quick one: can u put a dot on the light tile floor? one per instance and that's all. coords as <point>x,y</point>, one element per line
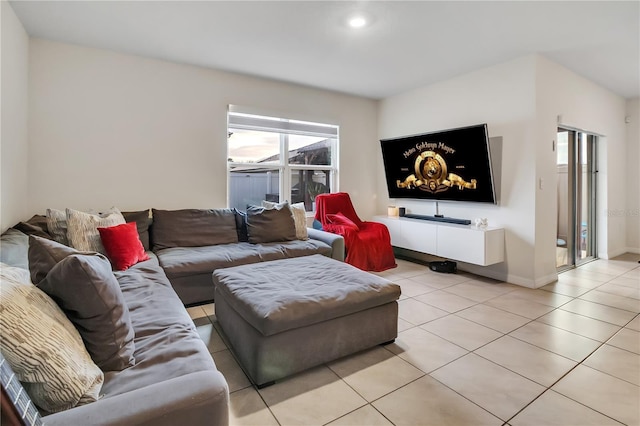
<point>471,351</point>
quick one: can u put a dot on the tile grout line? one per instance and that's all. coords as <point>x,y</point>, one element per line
<point>434,378</point>
<point>573,298</point>
<point>461,395</point>
<point>567,373</point>
<point>529,322</point>
<point>251,384</point>
<point>578,363</point>
<point>380,397</point>
<point>429,373</point>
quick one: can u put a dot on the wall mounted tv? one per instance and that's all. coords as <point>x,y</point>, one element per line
<point>452,165</point>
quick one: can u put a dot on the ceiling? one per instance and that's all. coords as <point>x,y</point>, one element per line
<point>407,44</point>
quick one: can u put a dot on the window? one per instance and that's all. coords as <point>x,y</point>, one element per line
<point>278,159</point>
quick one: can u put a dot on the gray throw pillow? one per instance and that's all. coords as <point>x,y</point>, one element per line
<point>241,225</point>
<point>37,225</point>
<point>143,222</point>
<point>270,225</point>
<point>43,255</point>
<point>299,217</point>
<point>193,228</point>
<point>85,288</point>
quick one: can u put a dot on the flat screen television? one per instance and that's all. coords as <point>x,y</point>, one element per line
<point>452,165</point>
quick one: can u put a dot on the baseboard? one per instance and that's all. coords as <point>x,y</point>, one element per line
<point>547,279</point>
<point>616,253</point>
<point>521,281</point>
<point>473,269</point>
<point>500,276</point>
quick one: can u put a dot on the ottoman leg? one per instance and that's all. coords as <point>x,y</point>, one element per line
<point>388,343</point>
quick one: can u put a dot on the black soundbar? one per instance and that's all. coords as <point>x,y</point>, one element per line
<point>439,219</point>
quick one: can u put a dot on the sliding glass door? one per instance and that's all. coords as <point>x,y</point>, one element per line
<point>576,162</point>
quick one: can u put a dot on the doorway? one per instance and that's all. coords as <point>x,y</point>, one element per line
<point>577,169</point>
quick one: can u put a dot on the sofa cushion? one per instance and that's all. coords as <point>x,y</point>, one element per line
<point>14,246</point>
<point>295,248</point>
<point>193,228</point>
<point>87,291</point>
<point>123,245</point>
<point>187,261</point>
<point>269,225</point>
<point>167,344</point>
<point>82,228</point>
<point>143,221</point>
<point>43,347</point>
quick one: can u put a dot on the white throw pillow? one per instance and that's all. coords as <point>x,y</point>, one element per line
<point>43,348</point>
<point>299,217</point>
<point>82,228</point>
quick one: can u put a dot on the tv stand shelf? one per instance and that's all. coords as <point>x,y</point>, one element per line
<point>463,243</point>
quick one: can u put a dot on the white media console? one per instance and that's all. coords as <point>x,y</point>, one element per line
<point>464,243</point>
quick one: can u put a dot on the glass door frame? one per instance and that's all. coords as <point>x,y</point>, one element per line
<point>591,190</point>
<point>578,230</point>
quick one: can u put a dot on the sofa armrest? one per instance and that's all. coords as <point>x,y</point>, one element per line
<point>334,240</point>
<point>193,399</point>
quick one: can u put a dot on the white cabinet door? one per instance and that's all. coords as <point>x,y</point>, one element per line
<point>419,235</point>
<point>463,244</point>
<point>467,244</point>
<point>395,229</point>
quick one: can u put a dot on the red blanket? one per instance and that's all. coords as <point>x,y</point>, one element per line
<point>368,244</point>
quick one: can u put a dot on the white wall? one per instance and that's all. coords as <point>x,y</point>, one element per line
<point>113,129</point>
<point>14,136</point>
<point>503,97</point>
<point>583,105</point>
<point>520,100</point>
<point>632,177</point>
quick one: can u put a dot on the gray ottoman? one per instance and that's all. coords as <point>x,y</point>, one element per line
<point>285,316</point>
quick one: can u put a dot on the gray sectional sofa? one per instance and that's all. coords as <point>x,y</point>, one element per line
<point>174,379</point>
<point>191,244</point>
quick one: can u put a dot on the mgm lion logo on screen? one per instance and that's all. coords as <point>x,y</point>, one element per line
<point>431,175</point>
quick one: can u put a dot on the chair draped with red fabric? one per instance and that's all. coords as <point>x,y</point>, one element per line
<point>368,244</point>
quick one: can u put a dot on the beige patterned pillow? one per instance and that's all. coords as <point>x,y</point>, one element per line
<point>82,228</point>
<point>57,225</point>
<point>43,347</point>
<point>299,217</point>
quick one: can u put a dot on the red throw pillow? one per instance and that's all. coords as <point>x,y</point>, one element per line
<point>340,219</point>
<point>123,245</point>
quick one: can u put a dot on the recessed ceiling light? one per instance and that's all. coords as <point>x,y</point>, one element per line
<point>357,22</point>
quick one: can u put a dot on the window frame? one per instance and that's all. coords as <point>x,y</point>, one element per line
<point>244,119</point>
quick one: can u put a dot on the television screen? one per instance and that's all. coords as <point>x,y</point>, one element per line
<point>447,165</point>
